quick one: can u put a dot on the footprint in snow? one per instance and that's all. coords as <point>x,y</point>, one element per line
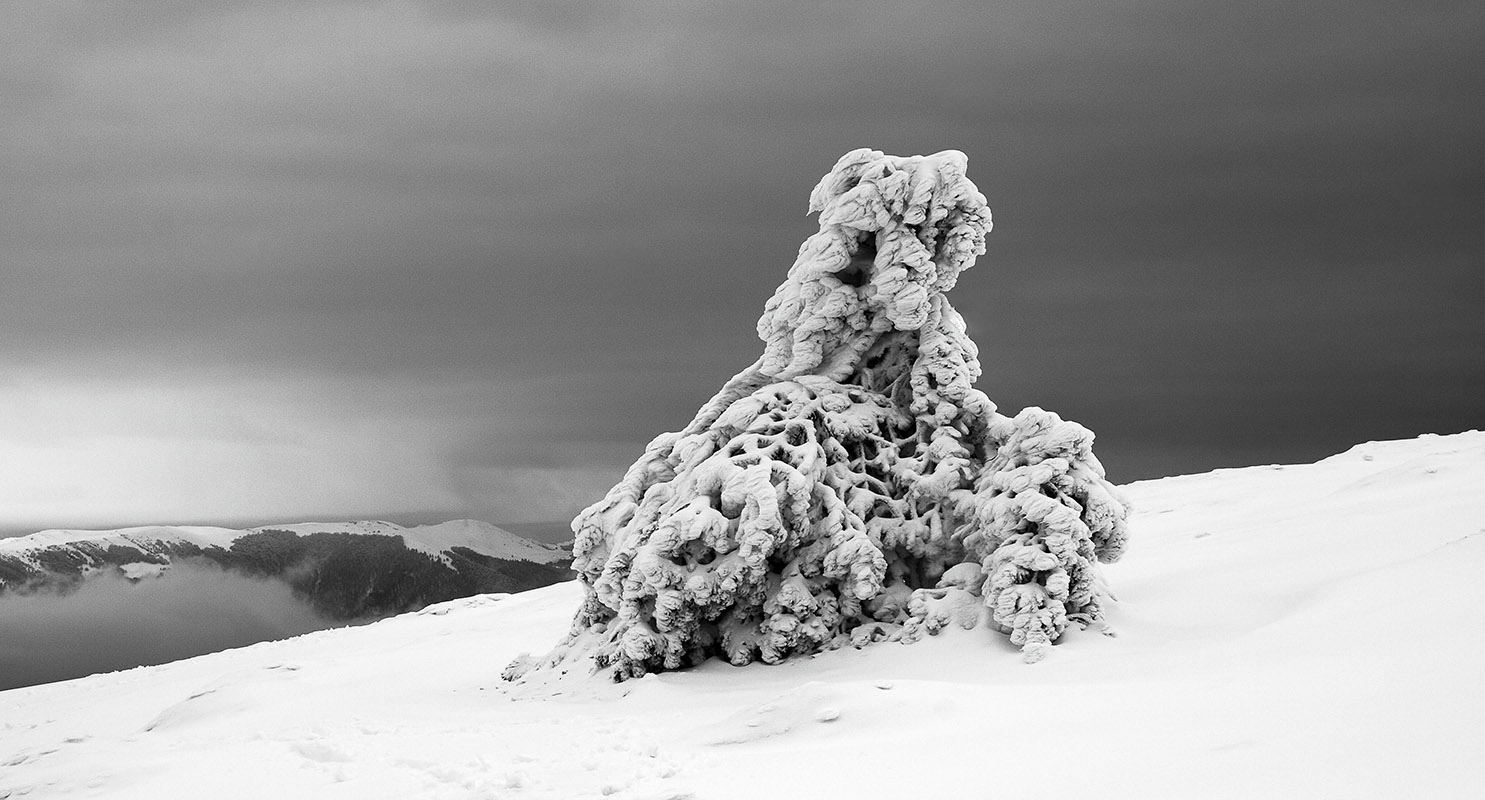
<point>811,704</point>
<point>320,751</point>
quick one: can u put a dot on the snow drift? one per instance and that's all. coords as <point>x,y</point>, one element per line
<point>851,485</point>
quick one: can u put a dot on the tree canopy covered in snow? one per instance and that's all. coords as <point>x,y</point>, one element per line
<point>851,485</point>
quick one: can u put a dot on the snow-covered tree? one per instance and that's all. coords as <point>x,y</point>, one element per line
<point>851,485</point>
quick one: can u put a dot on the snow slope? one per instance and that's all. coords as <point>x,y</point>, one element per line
<point>144,537</point>
<point>481,537</point>
<point>1300,631</point>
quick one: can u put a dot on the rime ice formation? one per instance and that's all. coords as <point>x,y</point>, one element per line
<point>852,485</point>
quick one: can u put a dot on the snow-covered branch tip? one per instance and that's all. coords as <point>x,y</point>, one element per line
<point>851,485</point>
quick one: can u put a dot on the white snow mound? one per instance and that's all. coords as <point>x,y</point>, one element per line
<point>1295,631</point>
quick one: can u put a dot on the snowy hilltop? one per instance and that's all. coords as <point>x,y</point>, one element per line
<point>852,485</point>
<point>1295,631</point>
<point>345,569</point>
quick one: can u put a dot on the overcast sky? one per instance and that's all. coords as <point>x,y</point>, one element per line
<point>263,261</point>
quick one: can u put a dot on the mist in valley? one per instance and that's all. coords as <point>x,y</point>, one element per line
<point>107,622</point>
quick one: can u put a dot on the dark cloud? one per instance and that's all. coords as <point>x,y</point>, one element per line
<point>536,234</point>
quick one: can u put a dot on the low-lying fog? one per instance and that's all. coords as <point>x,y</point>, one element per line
<point>111,623</point>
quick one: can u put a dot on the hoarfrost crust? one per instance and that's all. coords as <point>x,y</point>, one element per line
<point>851,485</point>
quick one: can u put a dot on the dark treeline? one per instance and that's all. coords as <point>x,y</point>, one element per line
<point>351,575</point>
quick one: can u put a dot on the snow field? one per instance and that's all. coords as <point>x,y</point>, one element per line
<point>1306,631</point>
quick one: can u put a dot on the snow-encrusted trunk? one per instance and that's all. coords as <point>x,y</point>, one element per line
<point>852,484</point>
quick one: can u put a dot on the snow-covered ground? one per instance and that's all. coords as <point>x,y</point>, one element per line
<point>1311,631</point>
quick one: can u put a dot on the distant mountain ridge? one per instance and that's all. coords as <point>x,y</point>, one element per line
<point>347,570</point>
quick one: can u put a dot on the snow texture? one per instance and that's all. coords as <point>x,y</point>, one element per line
<point>1287,632</point>
<point>852,484</point>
